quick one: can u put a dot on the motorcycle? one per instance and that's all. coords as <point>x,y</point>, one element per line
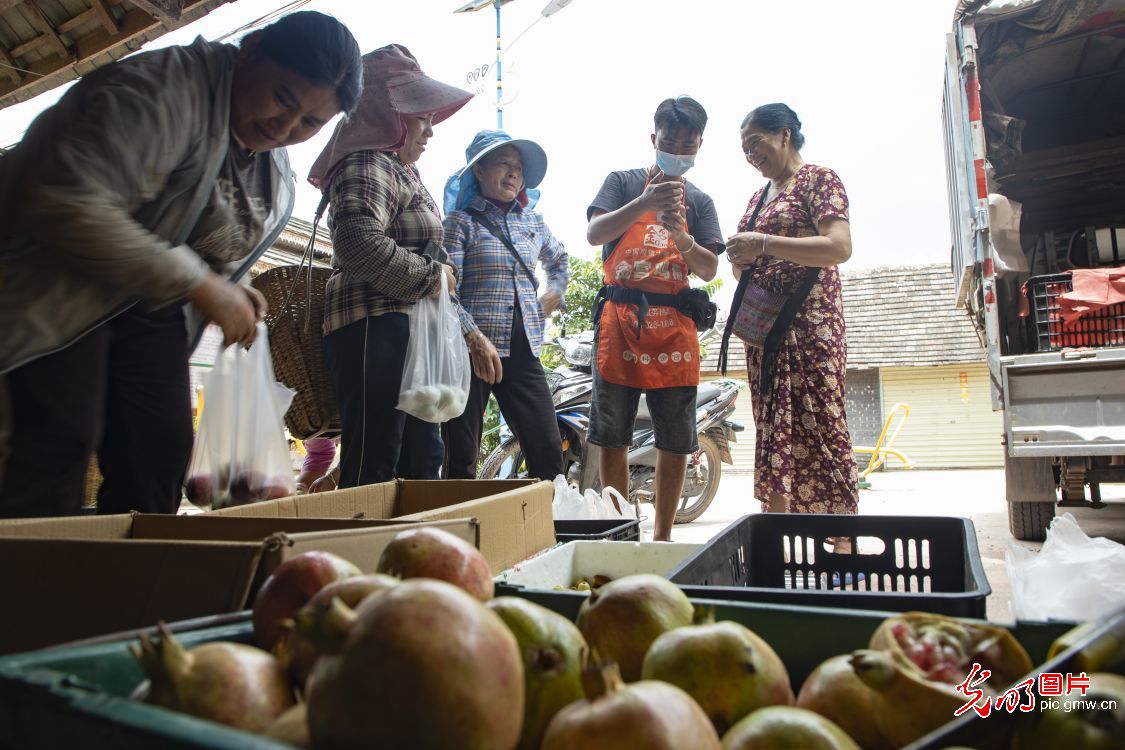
<point>571,386</point>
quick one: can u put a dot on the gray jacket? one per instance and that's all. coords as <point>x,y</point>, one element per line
<point>98,198</point>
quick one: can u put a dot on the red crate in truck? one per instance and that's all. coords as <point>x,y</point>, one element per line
<point>1104,327</point>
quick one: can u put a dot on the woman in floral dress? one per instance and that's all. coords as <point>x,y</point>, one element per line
<point>804,461</point>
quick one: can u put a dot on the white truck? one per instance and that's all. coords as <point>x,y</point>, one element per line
<point>1034,113</point>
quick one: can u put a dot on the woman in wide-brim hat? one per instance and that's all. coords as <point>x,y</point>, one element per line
<point>494,239</point>
<point>386,238</point>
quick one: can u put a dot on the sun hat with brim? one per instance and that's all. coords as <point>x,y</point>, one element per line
<point>463,186</point>
<point>394,87</point>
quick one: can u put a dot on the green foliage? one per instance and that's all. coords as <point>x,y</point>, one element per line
<point>585,281</point>
<point>490,435</point>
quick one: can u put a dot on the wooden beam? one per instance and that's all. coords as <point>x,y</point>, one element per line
<point>165,10</point>
<point>135,24</point>
<point>109,23</point>
<point>98,12</point>
<point>73,23</point>
<point>41,22</point>
<point>8,67</point>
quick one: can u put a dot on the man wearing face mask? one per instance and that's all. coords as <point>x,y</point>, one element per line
<point>656,229</point>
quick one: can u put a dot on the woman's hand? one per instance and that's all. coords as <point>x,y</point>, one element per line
<point>550,302</point>
<point>326,483</point>
<point>746,247</point>
<point>450,279</point>
<point>261,307</point>
<point>229,306</point>
<point>486,360</point>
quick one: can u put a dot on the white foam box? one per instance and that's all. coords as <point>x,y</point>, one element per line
<point>566,563</point>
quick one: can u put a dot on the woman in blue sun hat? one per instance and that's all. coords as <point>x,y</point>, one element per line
<point>494,240</point>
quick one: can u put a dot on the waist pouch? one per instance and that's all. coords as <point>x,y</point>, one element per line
<point>692,303</point>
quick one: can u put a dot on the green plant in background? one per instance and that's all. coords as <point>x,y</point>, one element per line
<point>578,303</point>
<point>490,435</point>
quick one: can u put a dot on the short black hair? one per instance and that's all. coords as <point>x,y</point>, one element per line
<point>321,49</point>
<point>774,118</point>
<point>681,113</point>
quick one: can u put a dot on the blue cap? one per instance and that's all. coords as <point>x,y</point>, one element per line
<point>462,188</point>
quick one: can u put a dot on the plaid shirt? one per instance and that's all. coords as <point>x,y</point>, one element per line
<point>381,216</point>
<point>491,281</point>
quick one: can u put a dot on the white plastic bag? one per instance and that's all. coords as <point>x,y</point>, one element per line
<point>240,454</point>
<point>1073,577</point>
<point>435,380</point>
<point>571,505</point>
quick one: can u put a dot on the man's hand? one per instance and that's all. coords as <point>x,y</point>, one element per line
<point>662,196</point>
<point>486,360</point>
<point>744,248</point>
<point>676,224</point>
<point>550,302</point>
<point>228,306</point>
<point>450,282</point>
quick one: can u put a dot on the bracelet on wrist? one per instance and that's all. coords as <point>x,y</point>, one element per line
<point>690,247</point>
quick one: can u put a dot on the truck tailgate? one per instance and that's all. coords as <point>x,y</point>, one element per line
<point>1069,403</point>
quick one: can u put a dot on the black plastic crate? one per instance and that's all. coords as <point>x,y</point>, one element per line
<point>1104,327</point>
<point>901,563</point>
<point>614,530</point>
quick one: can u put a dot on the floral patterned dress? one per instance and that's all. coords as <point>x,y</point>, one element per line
<point>804,449</point>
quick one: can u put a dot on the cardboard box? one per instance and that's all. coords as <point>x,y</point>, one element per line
<point>564,565</point>
<point>77,577</point>
<point>515,515</point>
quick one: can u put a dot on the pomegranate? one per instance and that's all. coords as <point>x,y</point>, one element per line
<point>835,692</point>
<point>290,587</point>
<point>320,628</point>
<point>553,655</point>
<point>943,649</point>
<point>649,714</point>
<point>200,490</point>
<point>229,683</point>
<point>433,553</point>
<point>906,706</point>
<point>292,727</point>
<point>781,727</point>
<point>725,667</point>
<point>621,619</point>
<point>425,666</point>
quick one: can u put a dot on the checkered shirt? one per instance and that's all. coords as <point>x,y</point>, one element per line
<point>381,216</point>
<point>491,281</point>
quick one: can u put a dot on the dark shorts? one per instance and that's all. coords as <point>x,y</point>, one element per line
<point>613,412</point>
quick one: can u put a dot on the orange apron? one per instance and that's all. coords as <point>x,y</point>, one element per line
<point>667,352</point>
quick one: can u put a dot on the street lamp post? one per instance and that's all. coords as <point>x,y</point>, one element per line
<point>550,9</point>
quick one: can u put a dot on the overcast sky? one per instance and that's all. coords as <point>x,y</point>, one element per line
<point>864,77</point>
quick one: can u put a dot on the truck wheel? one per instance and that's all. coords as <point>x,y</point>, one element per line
<point>1029,521</point>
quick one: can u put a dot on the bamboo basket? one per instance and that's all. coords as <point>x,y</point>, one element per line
<point>295,345</point>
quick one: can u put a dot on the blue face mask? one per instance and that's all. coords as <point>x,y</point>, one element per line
<point>673,165</point>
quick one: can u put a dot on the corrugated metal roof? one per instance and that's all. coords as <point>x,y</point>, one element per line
<point>46,43</point>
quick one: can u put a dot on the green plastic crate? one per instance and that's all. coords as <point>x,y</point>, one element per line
<point>77,697</point>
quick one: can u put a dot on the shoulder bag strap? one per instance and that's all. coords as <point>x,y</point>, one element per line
<point>485,222</point>
<point>740,290</point>
<point>776,335</point>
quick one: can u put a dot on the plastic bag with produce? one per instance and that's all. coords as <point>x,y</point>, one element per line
<point>240,454</point>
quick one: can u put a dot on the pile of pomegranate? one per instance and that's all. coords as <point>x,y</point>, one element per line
<point>421,655</point>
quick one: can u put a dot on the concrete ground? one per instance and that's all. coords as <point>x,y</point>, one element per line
<point>977,494</point>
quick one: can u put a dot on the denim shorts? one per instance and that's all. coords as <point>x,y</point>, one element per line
<point>613,411</point>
